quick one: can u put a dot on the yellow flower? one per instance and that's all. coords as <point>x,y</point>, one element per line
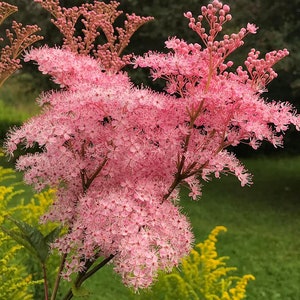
<point>15,281</point>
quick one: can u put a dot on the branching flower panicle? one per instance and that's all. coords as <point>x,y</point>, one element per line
<point>260,70</point>
<point>223,108</point>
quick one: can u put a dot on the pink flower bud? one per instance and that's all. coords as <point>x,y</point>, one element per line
<point>222,12</point>
<point>188,15</point>
<point>226,8</point>
<point>228,17</point>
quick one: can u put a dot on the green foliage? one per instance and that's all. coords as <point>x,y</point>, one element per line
<point>32,238</point>
<point>202,275</point>
<point>15,284</point>
<point>79,292</point>
<point>13,278</point>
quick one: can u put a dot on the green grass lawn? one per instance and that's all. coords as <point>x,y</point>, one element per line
<point>17,102</point>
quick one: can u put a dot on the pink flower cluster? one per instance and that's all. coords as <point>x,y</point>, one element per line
<point>109,149</point>
<point>260,70</point>
<point>117,154</point>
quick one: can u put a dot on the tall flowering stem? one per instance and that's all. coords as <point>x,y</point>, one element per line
<point>223,107</point>
<point>19,39</point>
<point>117,154</point>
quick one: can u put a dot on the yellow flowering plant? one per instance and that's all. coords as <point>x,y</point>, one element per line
<point>16,264</point>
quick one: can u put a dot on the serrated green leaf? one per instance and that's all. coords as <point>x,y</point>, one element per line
<point>19,238</point>
<point>79,292</point>
<point>34,239</point>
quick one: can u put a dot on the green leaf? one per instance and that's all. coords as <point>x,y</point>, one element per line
<point>53,235</point>
<point>31,238</point>
<point>79,291</point>
<point>19,238</point>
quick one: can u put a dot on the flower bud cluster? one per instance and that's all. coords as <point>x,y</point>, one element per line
<point>20,38</point>
<point>260,70</point>
<point>95,18</point>
<point>216,14</point>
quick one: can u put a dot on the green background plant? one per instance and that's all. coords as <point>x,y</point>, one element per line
<point>14,277</point>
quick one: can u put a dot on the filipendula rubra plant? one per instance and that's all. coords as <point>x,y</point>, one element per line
<point>117,154</point>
